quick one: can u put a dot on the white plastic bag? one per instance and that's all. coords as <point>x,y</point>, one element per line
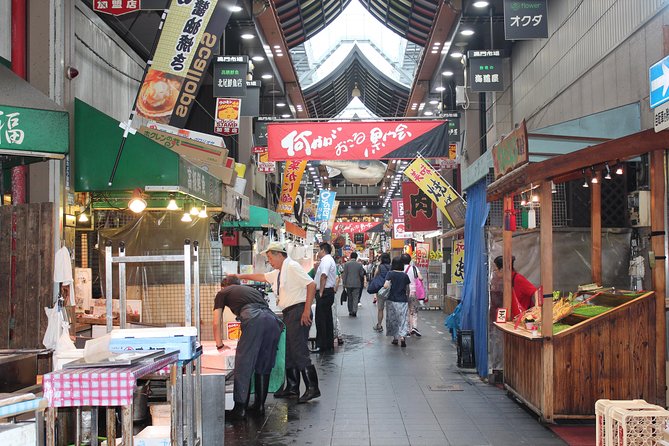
<point>53,328</point>
<point>64,341</point>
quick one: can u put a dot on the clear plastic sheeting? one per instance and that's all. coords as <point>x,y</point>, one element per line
<point>160,286</point>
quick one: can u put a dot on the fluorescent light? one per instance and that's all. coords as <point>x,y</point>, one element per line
<point>235,8</point>
<point>480,4</point>
<point>467,32</point>
<point>285,115</point>
<point>428,113</point>
<point>440,89</point>
<point>280,104</point>
<point>447,73</point>
<point>257,58</point>
<point>456,54</point>
<point>433,102</point>
<point>266,76</point>
<point>247,36</point>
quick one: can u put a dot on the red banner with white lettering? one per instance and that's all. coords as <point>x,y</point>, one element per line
<point>116,7</point>
<point>354,227</point>
<point>420,212</point>
<point>356,140</point>
<point>399,230</point>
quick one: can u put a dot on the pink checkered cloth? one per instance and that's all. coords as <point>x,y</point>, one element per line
<point>104,386</point>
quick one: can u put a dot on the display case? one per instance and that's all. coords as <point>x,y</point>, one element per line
<point>610,355</point>
<point>435,285</point>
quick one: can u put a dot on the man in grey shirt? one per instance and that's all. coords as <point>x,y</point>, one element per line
<point>353,279</point>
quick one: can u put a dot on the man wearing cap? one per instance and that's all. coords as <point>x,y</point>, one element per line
<point>256,349</point>
<point>295,292</point>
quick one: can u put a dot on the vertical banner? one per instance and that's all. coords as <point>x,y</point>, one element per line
<point>434,186</point>
<point>292,177</point>
<point>420,211</point>
<point>333,214</point>
<point>326,201</point>
<point>188,40</point>
<point>230,76</point>
<point>399,230</point>
<point>422,255</point>
<point>227,116</point>
<point>458,262</point>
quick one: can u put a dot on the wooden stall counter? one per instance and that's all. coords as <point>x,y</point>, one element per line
<point>610,355</point>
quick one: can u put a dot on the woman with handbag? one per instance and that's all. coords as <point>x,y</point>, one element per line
<point>416,282</point>
<point>397,306</point>
<point>380,276</point>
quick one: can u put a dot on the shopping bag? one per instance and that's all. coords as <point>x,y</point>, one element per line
<point>344,297</point>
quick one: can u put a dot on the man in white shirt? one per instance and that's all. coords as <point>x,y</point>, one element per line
<point>325,278</point>
<point>294,291</point>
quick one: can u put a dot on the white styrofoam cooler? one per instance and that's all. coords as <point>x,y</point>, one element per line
<point>183,339</point>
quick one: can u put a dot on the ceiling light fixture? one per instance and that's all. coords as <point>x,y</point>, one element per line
<point>440,89</point>
<point>456,54</point>
<point>186,218</point>
<point>585,181</point>
<point>247,36</point>
<point>137,204</point>
<point>235,8</point>
<point>172,205</point>
<point>266,76</point>
<point>257,58</point>
<point>203,212</point>
<point>594,179</point>
<point>433,102</point>
<point>447,73</point>
<point>83,218</point>
<point>194,210</point>
<point>480,4</point>
<point>608,172</point>
<point>619,169</point>
<point>467,32</point>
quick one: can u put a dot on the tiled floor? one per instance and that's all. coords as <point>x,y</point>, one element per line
<point>375,393</point>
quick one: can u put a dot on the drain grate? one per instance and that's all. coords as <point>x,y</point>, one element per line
<point>445,387</point>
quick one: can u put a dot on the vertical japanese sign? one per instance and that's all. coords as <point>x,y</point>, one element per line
<point>399,230</point>
<point>230,76</point>
<point>333,215</point>
<point>264,164</point>
<point>525,20</point>
<point>458,262</point>
<point>420,211</point>
<point>485,70</point>
<point>511,151</point>
<point>227,116</point>
<point>453,126</point>
<point>260,130</point>
<point>292,177</point>
<point>434,186</point>
<point>188,40</point>
<point>422,255</point>
<point>326,201</point>
<point>116,7</point>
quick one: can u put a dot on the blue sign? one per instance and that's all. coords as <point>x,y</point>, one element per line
<point>326,201</point>
<point>659,82</point>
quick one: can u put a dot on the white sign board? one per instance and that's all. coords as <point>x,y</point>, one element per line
<point>662,117</point>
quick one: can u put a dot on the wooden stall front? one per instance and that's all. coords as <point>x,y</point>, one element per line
<point>608,356</point>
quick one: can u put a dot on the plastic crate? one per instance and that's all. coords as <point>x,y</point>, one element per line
<point>601,415</point>
<point>637,427</point>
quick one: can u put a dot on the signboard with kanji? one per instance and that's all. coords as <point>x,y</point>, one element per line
<point>116,7</point>
<point>458,262</point>
<point>399,230</point>
<point>420,212</point>
<point>292,177</point>
<point>525,20</point>
<point>226,121</point>
<point>230,76</point>
<point>260,130</point>
<point>485,70</point>
<point>511,151</point>
<point>453,126</point>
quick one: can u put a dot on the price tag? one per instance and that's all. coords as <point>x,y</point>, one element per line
<point>501,315</point>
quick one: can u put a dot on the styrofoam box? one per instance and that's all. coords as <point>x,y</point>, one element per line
<point>153,436</point>
<point>219,360</point>
<point>18,433</point>
<point>133,339</point>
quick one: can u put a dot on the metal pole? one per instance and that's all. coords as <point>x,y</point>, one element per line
<point>109,280</point>
<point>198,378</point>
<point>122,287</point>
<point>187,285</point>
<point>196,286</point>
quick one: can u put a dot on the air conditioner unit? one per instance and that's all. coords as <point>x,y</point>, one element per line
<point>460,98</point>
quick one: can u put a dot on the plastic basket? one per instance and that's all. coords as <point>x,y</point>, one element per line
<point>637,427</point>
<point>601,416</point>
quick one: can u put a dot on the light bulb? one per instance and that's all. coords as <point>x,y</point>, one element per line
<point>172,205</point>
<point>186,218</point>
<point>137,204</point>
<point>619,170</point>
<point>203,213</point>
<point>194,210</point>
<point>535,198</point>
<point>594,180</point>
<point>83,218</point>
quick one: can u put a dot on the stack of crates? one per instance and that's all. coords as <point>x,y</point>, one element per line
<point>629,422</point>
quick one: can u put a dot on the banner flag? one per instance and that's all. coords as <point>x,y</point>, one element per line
<point>326,201</point>
<point>292,177</point>
<point>430,182</point>
<point>399,230</point>
<point>420,211</point>
<point>356,140</point>
<point>188,41</point>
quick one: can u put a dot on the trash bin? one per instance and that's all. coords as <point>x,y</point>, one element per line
<point>465,348</point>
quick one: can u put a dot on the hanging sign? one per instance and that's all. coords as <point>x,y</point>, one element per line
<point>292,177</point>
<point>525,20</point>
<point>453,126</point>
<point>485,70</point>
<point>333,215</point>
<point>658,80</point>
<point>33,130</point>
<point>458,262</point>
<point>326,201</point>
<point>356,140</point>
<point>264,165</point>
<point>434,186</point>
<point>230,76</point>
<point>399,230</point>
<point>422,255</point>
<point>420,210</point>
<point>188,40</point>
<point>354,227</point>
<point>227,116</point>
<point>116,7</point>
<point>260,130</point>
<point>511,151</point>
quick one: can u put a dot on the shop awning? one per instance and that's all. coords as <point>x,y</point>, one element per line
<point>259,218</point>
<point>32,124</point>
<point>144,163</point>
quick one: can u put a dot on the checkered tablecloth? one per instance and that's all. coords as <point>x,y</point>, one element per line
<point>103,386</point>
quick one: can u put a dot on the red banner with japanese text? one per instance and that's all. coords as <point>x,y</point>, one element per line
<point>399,230</point>
<point>355,227</point>
<point>420,212</point>
<point>116,7</point>
<point>356,140</point>
<point>292,177</point>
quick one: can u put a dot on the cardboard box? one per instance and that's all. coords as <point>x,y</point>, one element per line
<point>187,147</point>
<point>220,171</point>
<point>205,138</point>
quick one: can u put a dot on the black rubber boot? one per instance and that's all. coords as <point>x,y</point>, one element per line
<point>292,387</point>
<point>239,411</point>
<point>262,386</point>
<point>311,380</point>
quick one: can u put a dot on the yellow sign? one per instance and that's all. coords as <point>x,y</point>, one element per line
<point>458,262</point>
<point>292,177</point>
<point>434,186</point>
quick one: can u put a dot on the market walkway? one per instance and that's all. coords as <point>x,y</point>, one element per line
<point>375,393</point>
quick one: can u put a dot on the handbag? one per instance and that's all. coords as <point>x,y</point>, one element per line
<point>376,284</point>
<point>344,297</point>
<point>383,293</point>
<point>420,288</point>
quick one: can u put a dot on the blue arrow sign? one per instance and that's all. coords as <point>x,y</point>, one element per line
<point>659,82</point>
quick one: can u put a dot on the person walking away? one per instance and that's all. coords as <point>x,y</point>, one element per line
<point>326,276</point>
<point>397,306</point>
<point>353,278</point>
<point>523,289</point>
<point>257,346</point>
<point>414,275</point>
<point>295,291</point>
<point>382,270</point>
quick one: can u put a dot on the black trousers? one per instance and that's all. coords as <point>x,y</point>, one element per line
<point>324,323</point>
<point>297,338</point>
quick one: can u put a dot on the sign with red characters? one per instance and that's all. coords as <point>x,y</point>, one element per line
<point>420,212</point>
<point>116,7</point>
<point>356,140</point>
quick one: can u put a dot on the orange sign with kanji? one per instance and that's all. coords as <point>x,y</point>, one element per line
<point>292,177</point>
